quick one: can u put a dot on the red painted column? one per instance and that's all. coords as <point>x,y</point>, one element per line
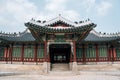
<point>114,53</point>
<point>84,56</point>
<point>108,52</point>
<point>97,53</point>
<point>22,54</point>
<point>11,51</point>
<point>6,54</point>
<point>74,46</point>
<point>111,54</point>
<point>45,51</point>
<point>35,53</point>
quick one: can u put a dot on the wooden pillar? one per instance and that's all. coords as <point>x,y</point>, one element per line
<point>108,52</point>
<point>6,53</point>
<point>84,56</point>
<point>35,53</point>
<point>111,54</point>
<point>11,51</point>
<point>45,51</point>
<point>97,53</point>
<point>74,47</point>
<point>22,54</point>
<point>114,54</point>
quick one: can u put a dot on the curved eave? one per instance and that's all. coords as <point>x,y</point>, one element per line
<point>24,38</point>
<point>45,29</point>
<point>93,36</point>
<point>60,19</point>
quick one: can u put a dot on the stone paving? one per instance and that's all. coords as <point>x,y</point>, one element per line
<point>83,76</point>
<point>32,72</point>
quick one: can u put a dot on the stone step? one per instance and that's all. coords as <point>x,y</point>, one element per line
<point>60,67</point>
<point>60,73</point>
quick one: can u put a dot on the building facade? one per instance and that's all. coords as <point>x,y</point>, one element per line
<point>59,41</point>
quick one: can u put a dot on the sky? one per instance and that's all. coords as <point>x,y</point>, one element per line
<point>104,13</point>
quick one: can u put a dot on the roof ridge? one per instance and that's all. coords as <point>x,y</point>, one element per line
<point>61,18</point>
<point>104,34</point>
<point>15,34</point>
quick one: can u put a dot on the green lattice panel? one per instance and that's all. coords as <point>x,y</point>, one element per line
<point>79,52</point>
<point>16,52</point>
<point>29,52</point>
<point>1,52</point>
<point>40,53</point>
<point>102,51</point>
<point>90,52</point>
<point>118,52</point>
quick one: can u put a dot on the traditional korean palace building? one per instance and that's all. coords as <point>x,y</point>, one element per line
<point>59,41</point>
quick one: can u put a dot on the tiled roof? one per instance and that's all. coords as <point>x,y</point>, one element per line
<point>61,19</point>
<point>95,36</point>
<point>25,36</point>
<point>46,27</point>
<point>92,36</point>
<point>59,29</point>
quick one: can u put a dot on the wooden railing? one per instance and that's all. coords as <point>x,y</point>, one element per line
<point>2,59</point>
<point>90,60</point>
<point>101,59</point>
<point>40,59</point>
<point>18,59</point>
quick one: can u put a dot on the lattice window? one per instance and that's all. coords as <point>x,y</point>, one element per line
<point>40,52</point>
<point>118,52</point>
<point>29,51</point>
<point>1,51</point>
<point>102,51</point>
<point>16,52</point>
<point>79,52</point>
<point>90,51</point>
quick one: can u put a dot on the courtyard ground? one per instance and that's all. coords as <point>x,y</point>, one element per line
<point>34,72</point>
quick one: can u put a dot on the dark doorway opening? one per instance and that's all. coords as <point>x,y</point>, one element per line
<point>60,53</point>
